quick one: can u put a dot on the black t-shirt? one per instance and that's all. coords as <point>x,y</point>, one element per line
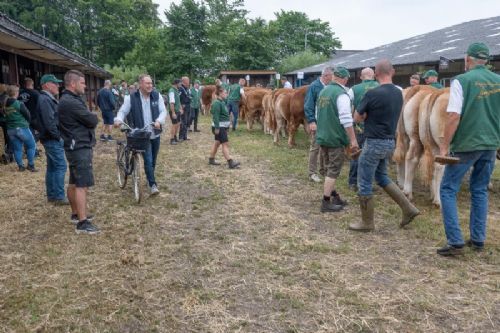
<point>30,99</point>
<point>382,106</point>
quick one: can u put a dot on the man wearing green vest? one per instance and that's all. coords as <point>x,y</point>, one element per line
<point>431,78</point>
<point>174,102</point>
<point>195,105</point>
<point>334,133</point>
<point>356,94</point>
<point>472,133</point>
<point>236,93</point>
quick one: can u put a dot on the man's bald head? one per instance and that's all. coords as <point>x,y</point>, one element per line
<point>384,68</point>
<point>367,74</point>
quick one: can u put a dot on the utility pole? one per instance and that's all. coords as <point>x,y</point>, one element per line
<point>43,28</point>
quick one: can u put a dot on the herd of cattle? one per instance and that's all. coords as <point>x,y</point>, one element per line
<point>419,132</point>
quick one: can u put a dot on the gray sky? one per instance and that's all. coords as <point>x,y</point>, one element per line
<point>364,24</point>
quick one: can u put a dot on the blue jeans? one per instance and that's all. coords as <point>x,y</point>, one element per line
<point>234,109</point>
<point>19,137</point>
<point>56,169</point>
<point>372,164</point>
<point>150,160</point>
<point>483,163</point>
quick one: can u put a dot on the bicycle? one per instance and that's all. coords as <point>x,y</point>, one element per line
<point>129,160</point>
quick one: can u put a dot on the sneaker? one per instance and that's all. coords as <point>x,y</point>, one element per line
<point>86,227</point>
<point>173,142</point>
<point>232,164</point>
<point>32,168</point>
<point>110,138</point>
<point>59,202</point>
<point>450,250</point>
<point>476,246</point>
<point>74,218</point>
<point>328,206</point>
<point>212,161</point>
<point>103,138</point>
<point>22,168</point>
<point>154,190</point>
<point>315,178</point>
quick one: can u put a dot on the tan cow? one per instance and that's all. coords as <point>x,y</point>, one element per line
<point>207,95</point>
<point>282,112</point>
<point>296,113</point>
<point>253,105</point>
<point>409,148</point>
<point>273,122</point>
<point>266,114</point>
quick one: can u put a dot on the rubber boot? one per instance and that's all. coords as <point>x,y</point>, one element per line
<point>232,164</point>
<point>367,206</point>
<point>212,161</point>
<point>409,211</point>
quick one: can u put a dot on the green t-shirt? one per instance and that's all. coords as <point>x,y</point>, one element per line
<point>220,115</point>
<point>479,126</point>
<point>13,116</point>
<point>195,98</point>
<point>330,132</point>
<point>177,101</point>
<point>234,92</point>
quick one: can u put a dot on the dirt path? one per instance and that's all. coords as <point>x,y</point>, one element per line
<point>228,251</point>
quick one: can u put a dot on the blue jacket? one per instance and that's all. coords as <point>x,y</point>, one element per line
<point>106,100</point>
<point>310,100</point>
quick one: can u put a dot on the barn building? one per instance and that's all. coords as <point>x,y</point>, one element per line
<point>442,50</point>
<point>24,53</point>
<point>253,77</point>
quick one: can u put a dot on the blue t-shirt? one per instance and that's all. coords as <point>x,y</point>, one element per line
<point>106,100</point>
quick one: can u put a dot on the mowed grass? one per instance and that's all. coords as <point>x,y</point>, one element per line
<point>235,251</point>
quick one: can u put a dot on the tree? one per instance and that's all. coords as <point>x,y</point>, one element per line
<point>301,60</point>
<point>294,32</point>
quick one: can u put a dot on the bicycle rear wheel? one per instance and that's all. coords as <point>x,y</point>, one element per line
<point>137,176</point>
<point>120,164</point>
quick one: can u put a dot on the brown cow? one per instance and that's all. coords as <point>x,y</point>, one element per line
<point>207,95</point>
<point>296,113</point>
<point>253,105</point>
<point>282,112</point>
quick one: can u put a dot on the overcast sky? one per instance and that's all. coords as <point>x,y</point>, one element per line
<point>364,24</point>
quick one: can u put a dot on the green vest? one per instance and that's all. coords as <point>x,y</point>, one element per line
<point>177,102</point>
<point>436,85</point>
<point>13,117</point>
<point>360,90</point>
<point>234,92</point>
<point>330,132</point>
<point>479,127</point>
<point>195,98</point>
<point>220,115</point>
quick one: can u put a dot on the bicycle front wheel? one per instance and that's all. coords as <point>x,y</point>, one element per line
<point>137,175</point>
<point>120,164</point>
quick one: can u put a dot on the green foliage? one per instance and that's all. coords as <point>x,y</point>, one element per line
<point>129,74</point>
<point>301,60</point>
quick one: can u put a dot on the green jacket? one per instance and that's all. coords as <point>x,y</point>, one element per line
<point>359,91</point>
<point>177,102</point>
<point>195,98</point>
<point>15,115</point>
<point>479,126</point>
<point>330,132</point>
<point>220,115</point>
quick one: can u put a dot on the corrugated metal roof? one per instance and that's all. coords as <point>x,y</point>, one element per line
<point>15,36</point>
<point>450,42</point>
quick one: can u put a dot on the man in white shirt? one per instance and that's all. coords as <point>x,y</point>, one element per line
<point>286,84</point>
<point>145,109</point>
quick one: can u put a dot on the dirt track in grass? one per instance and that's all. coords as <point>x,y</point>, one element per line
<point>234,251</point>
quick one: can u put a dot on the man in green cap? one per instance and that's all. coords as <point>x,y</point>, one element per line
<point>195,105</point>
<point>471,133</point>
<point>50,137</point>
<point>431,78</point>
<point>356,94</point>
<point>334,133</point>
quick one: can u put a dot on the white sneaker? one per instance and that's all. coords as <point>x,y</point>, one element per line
<point>154,190</point>
<point>315,178</point>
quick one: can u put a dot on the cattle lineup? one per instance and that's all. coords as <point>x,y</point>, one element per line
<point>440,132</point>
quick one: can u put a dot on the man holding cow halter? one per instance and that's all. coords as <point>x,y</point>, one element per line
<point>471,134</point>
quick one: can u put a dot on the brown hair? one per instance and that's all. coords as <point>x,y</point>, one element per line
<point>12,90</point>
<point>71,76</point>
<point>219,90</point>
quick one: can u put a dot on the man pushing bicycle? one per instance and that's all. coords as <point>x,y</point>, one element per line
<point>143,107</point>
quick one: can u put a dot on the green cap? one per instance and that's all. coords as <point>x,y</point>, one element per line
<point>430,73</point>
<point>341,72</point>
<point>197,81</point>
<point>49,78</point>
<point>479,51</point>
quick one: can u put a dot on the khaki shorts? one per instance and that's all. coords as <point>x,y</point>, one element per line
<point>334,159</point>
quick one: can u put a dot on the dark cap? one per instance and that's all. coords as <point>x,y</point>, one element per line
<point>430,73</point>
<point>49,78</point>
<point>478,51</point>
<point>341,72</point>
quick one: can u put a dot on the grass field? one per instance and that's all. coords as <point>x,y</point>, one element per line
<point>235,251</point>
